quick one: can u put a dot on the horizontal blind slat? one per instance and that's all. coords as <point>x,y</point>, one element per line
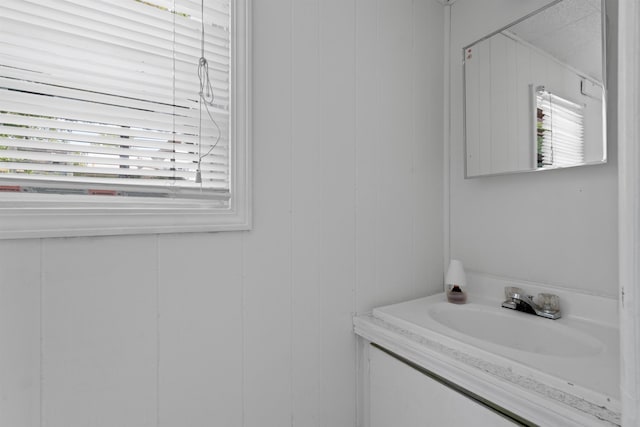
<point>55,60</point>
<point>145,174</point>
<point>120,183</point>
<point>111,86</point>
<point>98,97</point>
<point>98,113</point>
<point>40,146</point>
<point>104,69</point>
<point>82,21</point>
<point>34,126</point>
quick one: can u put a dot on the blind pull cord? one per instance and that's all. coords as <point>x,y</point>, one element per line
<point>206,98</point>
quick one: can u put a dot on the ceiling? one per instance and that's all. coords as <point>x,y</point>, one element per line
<point>570,31</point>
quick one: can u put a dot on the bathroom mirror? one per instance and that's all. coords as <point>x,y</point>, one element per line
<point>534,92</point>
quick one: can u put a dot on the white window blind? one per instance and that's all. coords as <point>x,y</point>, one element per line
<point>104,98</point>
<point>559,130</point>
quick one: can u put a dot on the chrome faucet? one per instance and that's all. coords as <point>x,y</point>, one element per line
<point>547,305</point>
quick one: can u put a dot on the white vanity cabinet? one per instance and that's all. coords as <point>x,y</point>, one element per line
<point>401,395</point>
<point>419,369</point>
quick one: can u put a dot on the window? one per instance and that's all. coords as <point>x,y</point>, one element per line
<point>123,116</point>
<point>559,131</point>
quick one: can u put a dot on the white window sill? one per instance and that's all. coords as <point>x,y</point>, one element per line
<point>67,216</point>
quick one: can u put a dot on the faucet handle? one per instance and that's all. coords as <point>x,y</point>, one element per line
<point>513,292</point>
<point>549,303</point>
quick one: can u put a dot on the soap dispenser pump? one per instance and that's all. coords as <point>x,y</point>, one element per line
<point>456,283</point>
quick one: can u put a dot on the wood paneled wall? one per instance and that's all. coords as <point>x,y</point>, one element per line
<point>253,328</point>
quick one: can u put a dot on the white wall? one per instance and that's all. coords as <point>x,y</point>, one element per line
<point>556,227</point>
<point>252,329</point>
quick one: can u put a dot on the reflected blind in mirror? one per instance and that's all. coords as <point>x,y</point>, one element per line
<point>559,130</point>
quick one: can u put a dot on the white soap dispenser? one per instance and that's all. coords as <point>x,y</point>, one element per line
<point>455,283</point>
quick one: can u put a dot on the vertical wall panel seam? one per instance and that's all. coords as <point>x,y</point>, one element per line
<point>355,155</point>
<point>292,291</point>
<point>355,158</point>
<point>321,359</point>
<point>41,333</point>
<point>157,296</point>
<point>414,186</point>
<point>243,236</point>
<point>356,210</point>
<point>376,157</point>
<point>354,286</point>
<point>318,281</point>
<point>636,209</point>
<point>243,362</point>
<point>636,205</point>
<point>321,264</point>
<point>446,214</point>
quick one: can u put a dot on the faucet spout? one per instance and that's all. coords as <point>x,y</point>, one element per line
<point>517,300</point>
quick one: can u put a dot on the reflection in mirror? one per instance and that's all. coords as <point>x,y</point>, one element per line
<point>534,92</point>
<point>559,130</point>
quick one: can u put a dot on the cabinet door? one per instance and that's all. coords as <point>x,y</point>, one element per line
<point>403,396</point>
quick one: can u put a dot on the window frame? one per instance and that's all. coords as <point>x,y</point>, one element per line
<point>25,215</point>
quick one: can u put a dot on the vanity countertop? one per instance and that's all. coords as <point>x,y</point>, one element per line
<point>572,385</point>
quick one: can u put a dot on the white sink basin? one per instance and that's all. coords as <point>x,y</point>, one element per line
<point>570,351</point>
<point>520,331</point>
